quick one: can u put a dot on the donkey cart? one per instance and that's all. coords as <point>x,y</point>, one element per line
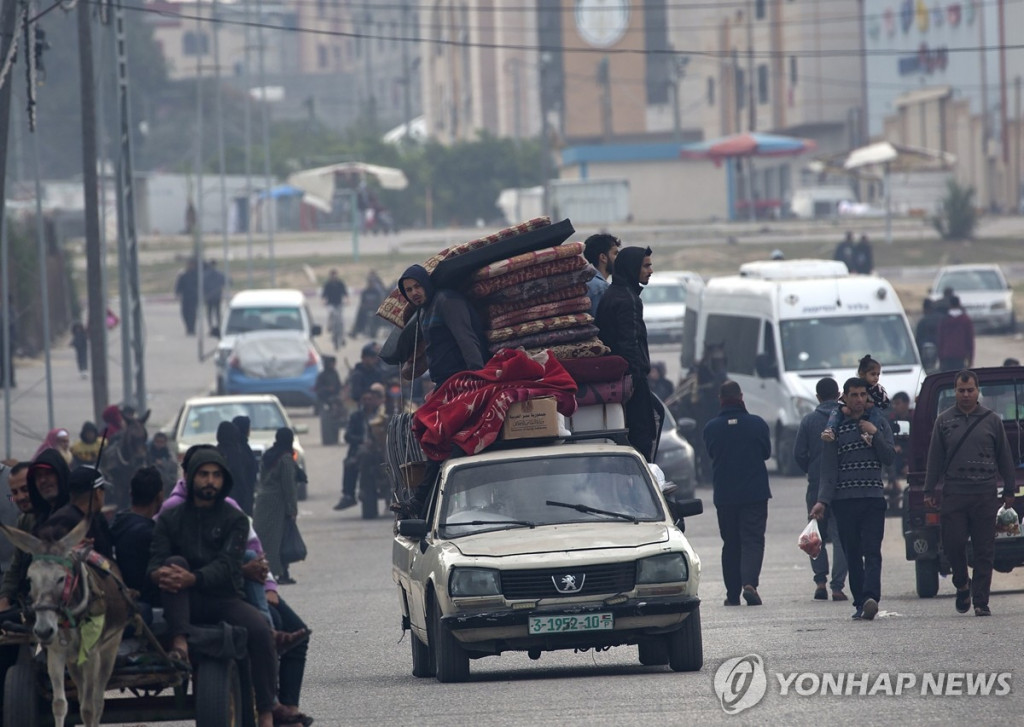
<point>150,687</point>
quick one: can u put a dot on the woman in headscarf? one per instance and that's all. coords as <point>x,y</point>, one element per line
<point>60,440</point>
<point>87,448</point>
<point>276,500</point>
<point>244,425</point>
<point>229,444</point>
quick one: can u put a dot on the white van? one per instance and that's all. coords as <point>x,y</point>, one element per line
<point>787,323</point>
<point>271,309</point>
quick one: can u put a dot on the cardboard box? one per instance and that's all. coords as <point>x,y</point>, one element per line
<point>531,418</point>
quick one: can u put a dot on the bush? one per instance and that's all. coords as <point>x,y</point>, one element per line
<point>959,217</point>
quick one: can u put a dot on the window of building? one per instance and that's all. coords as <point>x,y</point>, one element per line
<point>711,91</point>
<point>741,85</point>
<point>195,44</point>
<point>759,9</point>
<point>321,56</point>
<point>762,83</point>
<point>792,70</point>
<point>380,36</point>
<point>321,8</point>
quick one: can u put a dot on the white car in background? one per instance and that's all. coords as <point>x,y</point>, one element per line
<point>983,292</point>
<point>665,298</point>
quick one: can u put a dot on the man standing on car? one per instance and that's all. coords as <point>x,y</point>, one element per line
<point>620,324</point>
<point>807,453</point>
<point>969,452</point>
<point>600,251</point>
<point>851,484</point>
<point>738,443</point>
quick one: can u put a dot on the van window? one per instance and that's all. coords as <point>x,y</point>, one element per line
<point>740,336</point>
<point>813,344</point>
<point>268,318</point>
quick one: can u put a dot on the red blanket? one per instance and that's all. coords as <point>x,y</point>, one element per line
<point>469,408</point>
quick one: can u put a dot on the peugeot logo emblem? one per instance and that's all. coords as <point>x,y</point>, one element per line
<point>569,583</point>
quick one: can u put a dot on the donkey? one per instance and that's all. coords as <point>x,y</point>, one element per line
<point>72,601</point>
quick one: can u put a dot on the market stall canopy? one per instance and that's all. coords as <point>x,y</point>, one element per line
<point>318,184</point>
<point>750,144</point>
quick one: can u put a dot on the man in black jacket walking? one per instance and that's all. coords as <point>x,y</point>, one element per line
<point>620,323</point>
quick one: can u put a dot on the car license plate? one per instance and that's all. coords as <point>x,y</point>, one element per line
<point>567,624</point>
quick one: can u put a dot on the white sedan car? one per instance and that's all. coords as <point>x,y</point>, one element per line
<point>199,417</point>
<point>569,546</point>
<point>983,292</point>
<point>665,299</point>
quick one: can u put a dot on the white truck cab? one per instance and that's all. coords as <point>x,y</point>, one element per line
<point>785,324</point>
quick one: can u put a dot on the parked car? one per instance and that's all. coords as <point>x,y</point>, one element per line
<point>568,546</point>
<point>983,292</point>
<point>272,309</point>
<point>1002,391</point>
<point>199,417</point>
<point>665,299</point>
<point>676,456</point>
<point>283,363</point>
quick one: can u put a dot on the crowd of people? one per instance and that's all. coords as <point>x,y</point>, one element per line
<point>197,546</point>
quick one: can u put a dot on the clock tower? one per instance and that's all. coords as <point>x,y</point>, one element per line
<point>604,82</point>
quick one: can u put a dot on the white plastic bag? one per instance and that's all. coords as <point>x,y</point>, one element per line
<point>810,539</point>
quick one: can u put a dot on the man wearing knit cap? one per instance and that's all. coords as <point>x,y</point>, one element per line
<point>620,323</point>
<point>851,484</point>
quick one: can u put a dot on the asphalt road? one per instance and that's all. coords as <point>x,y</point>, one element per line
<point>359,668</point>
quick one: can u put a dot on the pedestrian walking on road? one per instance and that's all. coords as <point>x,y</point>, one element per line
<point>955,338</point>
<point>186,289</point>
<point>807,454</point>
<point>969,453</point>
<point>739,443</point>
<point>851,485</point>
<point>276,499</point>
<point>80,342</point>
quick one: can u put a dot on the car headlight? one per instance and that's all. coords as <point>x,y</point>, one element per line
<point>474,582</point>
<point>667,568</point>
<point>1001,305</point>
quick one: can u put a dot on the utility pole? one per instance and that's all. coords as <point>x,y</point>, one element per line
<point>97,296</point>
<point>752,108</point>
<point>264,119</point>
<point>198,231</point>
<point>132,326</point>
<point>406,73</point>
<point>605,82</point>
<point>247,125</point>
<point>1016,145</point>
<point>8,23</point>
<point>44,278</point>
<point>221,164</point>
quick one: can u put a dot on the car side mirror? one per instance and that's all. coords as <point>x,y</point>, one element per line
<point>413,528</point>
<point>686,425</point>
<point>316,329</point>
<point>682,509</point>
<point>766,366</point>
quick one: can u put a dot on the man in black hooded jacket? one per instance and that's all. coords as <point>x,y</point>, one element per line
<point>451,328</point>
<point>196,562</point>
<point>620,323</point>
<point>48,490</point>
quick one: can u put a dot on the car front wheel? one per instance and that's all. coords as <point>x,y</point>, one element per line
<point>685,646</point>
<point>450,660</point>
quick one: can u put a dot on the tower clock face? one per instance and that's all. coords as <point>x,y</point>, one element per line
<point>602,23</point>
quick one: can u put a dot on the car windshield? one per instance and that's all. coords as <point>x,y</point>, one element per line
<point>664,293</point>
<point>813,344</point>
<point>203,419</point>
<point>963,280</point>
<point>511,493</point>
<point>1005,398</point>
<point>269,318</point>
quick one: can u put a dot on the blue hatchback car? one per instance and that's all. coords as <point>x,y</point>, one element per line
<point>283,363</point>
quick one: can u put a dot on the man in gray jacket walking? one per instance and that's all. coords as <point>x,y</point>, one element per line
<point>968,452</point>
<point>852,485</point>
<point>807,453</point>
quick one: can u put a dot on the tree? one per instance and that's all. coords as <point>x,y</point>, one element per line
<point>959,216</point>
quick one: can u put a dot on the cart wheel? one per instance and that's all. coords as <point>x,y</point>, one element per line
<point>22,703</point>
<point>218,694</point>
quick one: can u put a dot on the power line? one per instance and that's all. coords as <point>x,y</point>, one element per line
<point>723,54</point>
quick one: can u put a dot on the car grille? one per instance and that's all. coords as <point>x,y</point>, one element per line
<point>605,578</point>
